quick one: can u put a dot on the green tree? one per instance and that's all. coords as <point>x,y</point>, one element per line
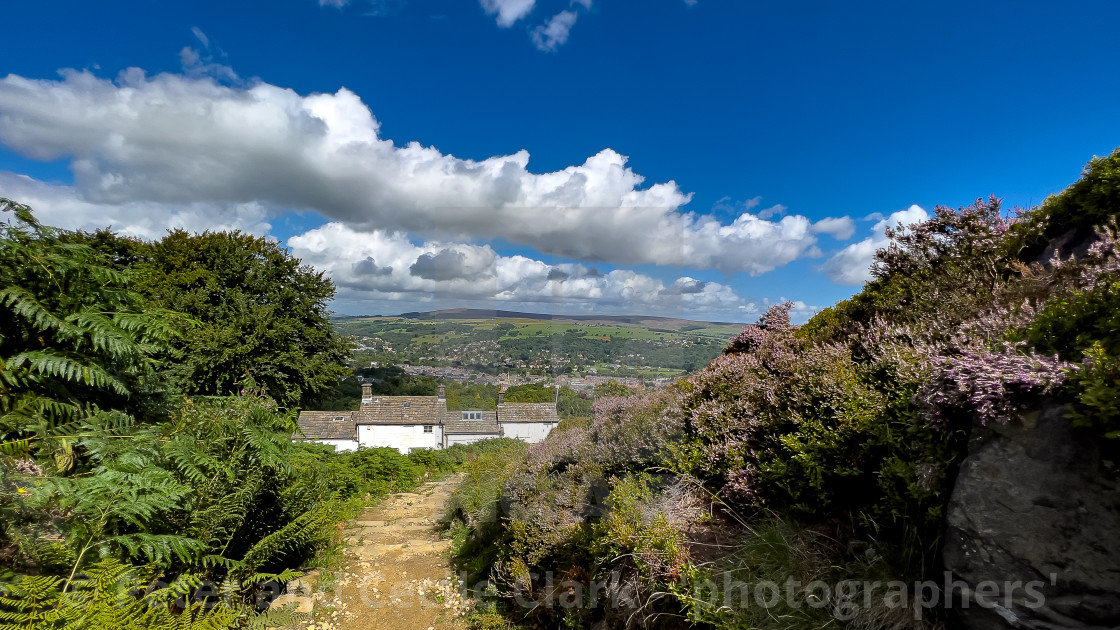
<point>74,339</point>
<point>103,472</point>
<point>612,388</point>
<point>263,315</point>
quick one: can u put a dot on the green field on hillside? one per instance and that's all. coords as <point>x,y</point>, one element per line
<point>649,348</point>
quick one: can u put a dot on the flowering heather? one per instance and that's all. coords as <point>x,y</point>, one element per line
<point>841,424</point>
<point>973,234</point>
<point>635,431</point>
<point>561,449</point>
<point>1100,261</point>
<point>742,485</point>
<point>775,320</point>
<point>994,385</point>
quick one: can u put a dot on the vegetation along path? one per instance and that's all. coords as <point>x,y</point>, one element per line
<point>394,573</point>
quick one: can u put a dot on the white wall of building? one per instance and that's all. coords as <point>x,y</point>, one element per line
<point>468,438</point>
<point>340,446</point>
<point>402,437</point>
<point>531,432</point>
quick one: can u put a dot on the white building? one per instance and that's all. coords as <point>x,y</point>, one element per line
<point>411,422</point>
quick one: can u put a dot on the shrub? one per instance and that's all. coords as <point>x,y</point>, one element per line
<point>384,469</point>
<point>474,511</point>
<point>1070,215</point>
<point>1083,326</point>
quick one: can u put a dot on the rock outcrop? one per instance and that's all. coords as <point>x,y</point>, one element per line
<point>1036,503</point>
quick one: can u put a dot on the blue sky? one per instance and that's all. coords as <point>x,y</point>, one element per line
<point>696,159</point>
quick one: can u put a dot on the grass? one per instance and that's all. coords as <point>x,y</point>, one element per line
<point>472,341</point>
<point>773,551</point>
<point>524,328</point>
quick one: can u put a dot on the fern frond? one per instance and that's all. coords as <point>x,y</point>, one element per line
<point>160,548</point>
<point>44,549</point>
<point>157,324</point>
<point>103,335</point>
<point>213,560</point>
<point>23,303</point>
<point>16,448</point>
<point>283,617</point>
<point>51,363</point>
<point>113,496</point>
<point>108,598</point>
<point>192,460</point>
<point>183,585</point>
<point>31,604</point>
<point>287,575</point>
<point>306,529</point>
<point>31,416</point>
<point>23,212</point>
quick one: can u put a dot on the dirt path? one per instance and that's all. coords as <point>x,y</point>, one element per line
<point>395,573</point>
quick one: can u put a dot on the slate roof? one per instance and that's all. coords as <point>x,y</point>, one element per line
<point>527,412</point>
<point>326,425</point>
<point>402,410</point>
<point>397,410</point>
<point>453,423</point>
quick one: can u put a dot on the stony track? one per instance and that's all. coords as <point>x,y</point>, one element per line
<point>395,574</point>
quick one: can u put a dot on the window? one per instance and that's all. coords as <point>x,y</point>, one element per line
<point>338,419</point>
<point>407,404</point>
<point>472,415</point>
<point>427,428</point>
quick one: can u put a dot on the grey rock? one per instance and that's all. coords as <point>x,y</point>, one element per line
<point>1036,503</point>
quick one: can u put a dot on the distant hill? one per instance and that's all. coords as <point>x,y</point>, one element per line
<point>643,346</point>
<point>647,321</point>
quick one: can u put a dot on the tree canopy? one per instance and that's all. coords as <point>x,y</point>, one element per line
<point>262,315</point>
<point>73,337</point>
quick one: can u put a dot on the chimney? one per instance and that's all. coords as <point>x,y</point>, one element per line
<point>367,393</point>
<point>501,395</point>
<point>441,396</point>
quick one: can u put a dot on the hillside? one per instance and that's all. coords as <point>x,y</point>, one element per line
<point>647,321</point>
<point>937,451</point>
<point>490,341</point>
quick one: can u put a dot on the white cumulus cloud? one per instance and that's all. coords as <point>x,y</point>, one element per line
<point>170,140</point>
<point>65,207</point>
<point>388,266</point>
<point>841,228</point>
<point>852,265</point>
<point>508,12</point>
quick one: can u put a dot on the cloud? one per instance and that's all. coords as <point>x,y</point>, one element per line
<point>800,313</point>
<point>372,269</point>
<point>170,140</point>
<point>368,267</point>
<point>553,34</point>
<point>446,265</point>
<point>338,4</point>
<point>453,264</point>
<point>64,206</point>
<point>547,37</point>
<point>851,266</point>
<point>467,272</point>
<point>202,38</point>
<point>508,11</point>
<point>840,228</point>
<point>197,63</point>
<point>684,286</point>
